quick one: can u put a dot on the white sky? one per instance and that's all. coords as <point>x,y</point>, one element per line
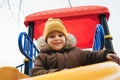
<point>12,18</point>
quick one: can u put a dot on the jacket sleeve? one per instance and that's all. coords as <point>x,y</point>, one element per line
<point>40,67</point>
<point>91,57</point>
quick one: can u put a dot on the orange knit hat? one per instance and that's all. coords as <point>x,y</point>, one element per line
<point>54,25</point>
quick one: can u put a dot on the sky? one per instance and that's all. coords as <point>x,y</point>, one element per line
<point>13,12</point>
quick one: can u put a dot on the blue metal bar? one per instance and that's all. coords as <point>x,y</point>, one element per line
<point>99,38</point>
<point>27,48</point>
<point>20,66</point>
<point>26,45</point>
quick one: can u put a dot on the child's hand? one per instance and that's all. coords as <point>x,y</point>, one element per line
<point>113,57</point>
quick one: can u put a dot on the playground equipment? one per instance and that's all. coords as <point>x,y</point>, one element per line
<point>89,26</point>
<point>87,23</point>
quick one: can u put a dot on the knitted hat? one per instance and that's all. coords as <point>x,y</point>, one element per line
<point>54,25</point>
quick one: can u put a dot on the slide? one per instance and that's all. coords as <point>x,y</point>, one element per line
<point>100,71</point>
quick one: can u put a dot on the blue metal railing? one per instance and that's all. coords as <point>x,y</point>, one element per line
<point>99,38</point>
<point>27,48</point>
<point>20,67</point>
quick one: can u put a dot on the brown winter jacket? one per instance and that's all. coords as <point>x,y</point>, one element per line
<point>70,57</point>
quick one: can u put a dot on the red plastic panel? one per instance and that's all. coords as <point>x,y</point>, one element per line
<point>83,29</point>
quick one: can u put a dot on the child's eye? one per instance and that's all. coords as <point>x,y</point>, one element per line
<point>51,36</point>
<point>60,35</point>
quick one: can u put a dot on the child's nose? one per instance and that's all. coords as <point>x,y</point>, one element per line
<point>57,37</point>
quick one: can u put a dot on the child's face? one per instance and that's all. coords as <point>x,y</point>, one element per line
<point>56,40</point>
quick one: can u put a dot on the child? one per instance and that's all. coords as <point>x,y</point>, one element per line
<point>58,51</point>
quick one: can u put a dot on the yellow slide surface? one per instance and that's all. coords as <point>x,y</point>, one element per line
<point>101,71</point>
<point>11,73</point>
